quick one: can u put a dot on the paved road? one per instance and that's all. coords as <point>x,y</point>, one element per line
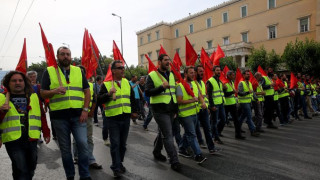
<point>291,152</point>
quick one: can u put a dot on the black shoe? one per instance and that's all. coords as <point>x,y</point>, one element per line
<point>200,159</point>
<point>240,137</point>
<point>75,161</point>
<point>242,131</point>
<point>95,166</point>
<point>159,157</point>
<point>218,140</point>
<point>87,178</point>
<point>123,169</point>
<point>184,154</point>
<point>255,134</point>
<point>271,126</point>
<point>176,166</point>
<point>70,178</point>
<point>117,174</point>
<point>214,150</point>
<point>260,130</point>
<point>308,117</point>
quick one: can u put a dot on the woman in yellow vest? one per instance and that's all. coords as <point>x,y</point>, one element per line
<point>21,121</point>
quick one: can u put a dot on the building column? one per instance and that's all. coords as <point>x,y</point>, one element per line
<point>243,61</point>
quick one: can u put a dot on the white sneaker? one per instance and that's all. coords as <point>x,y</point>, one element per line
<point>107,142</point>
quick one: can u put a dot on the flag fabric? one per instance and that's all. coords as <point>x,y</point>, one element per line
<point>182,81</point>
<point>253,81</point>
<point>109,74</point>
<point>205,61</point>
<point>48,49</point>
<point>280,83</point>
<point>223,78</point>
<point>293,81</point>
<point>260,70</point>
<point>117,54</point>
<point>22,64</point>
<point>218,55</point>
<point>225,70</point>
<point>212,56</point>
<point>238,79</point>
<point>88,60</point>
<point>162,50</point>
<point>95,49</point>
<point>177,61</point>
<point>152,67</point>
<point>191,55</point>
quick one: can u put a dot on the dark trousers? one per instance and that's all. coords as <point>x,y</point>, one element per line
<point>118,131</point>
<point>203,117</point>
<point>232,109</point>
<point>95,113</point>
<point>278,111</point>
<point>284,104</point>
<point>105,129</point>
<point>297,105</point>
<point>23,155</point>
<point>304,105</point>
<point>268,109</point>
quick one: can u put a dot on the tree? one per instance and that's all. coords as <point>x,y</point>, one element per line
<point>137,71</point>
<point>228,61</point>
<point>39,68</point>
<point>303,57</point>
<point>264,59</point>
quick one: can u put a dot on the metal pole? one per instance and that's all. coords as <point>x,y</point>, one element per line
<point>121,35</point>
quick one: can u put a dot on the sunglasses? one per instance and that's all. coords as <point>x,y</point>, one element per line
<point>120,67</point>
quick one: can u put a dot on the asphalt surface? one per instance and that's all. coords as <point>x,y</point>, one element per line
<point>291,152</point>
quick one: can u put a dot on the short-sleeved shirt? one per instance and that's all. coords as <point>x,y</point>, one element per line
<point>179,90</point>
<point>135,89</point>
<point>64,113</point>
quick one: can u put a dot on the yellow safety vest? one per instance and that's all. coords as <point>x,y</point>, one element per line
<point>247,98</point>
<point>300,86</point>
<point>217,93</point>
<point>276,96</point>
<point>203,92</point>
<point>74,96</point>
<point>122,103</point>
<point>231,100</point>
<point>269,92</point>
<point>191,108</point>
<point>260,97</point>
<point>314,87</point>
<point>164,97</point>
<point>284,93</point>
<point>11,125</point>
<point>91,93</point>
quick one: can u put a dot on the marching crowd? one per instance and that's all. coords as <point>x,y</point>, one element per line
<point>73,103</point>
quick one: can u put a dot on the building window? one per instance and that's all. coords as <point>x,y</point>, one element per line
<point>244,11</point>
<point>141,40</point>
<point>141,58</point>
<point>209,22</point>
<point>157,35</point>
<point>191,28</point>
<point>177,33</point>
<point>244,37</point>
<point>272,32</point>
<point>157,51</point>
<point>271,4</point>
<point>150,54</point>
<point>304,24</point>
<point>225,17</point>
<point>178,50</point>
<point>225,40</point>
<point>209,43</point>
<point>149,38</point>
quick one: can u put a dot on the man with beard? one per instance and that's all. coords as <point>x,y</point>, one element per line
<point>69,107</point>
<point>160,88</point>
<point>245,97</point>
<point>231,104</point>
<point>216,98</point>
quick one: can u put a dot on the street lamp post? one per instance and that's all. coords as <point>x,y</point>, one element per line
<point>113,14</point>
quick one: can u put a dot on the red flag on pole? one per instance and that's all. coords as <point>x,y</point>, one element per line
<point>253,81</point>
<point>109,74</point>
<point>223,78</point>
<point>208,73</point>
<point>182,81</point>
<point>238,79</point>
<point>152,67</point>
<point>116,53</point>
<point>280,83</point>
<point>260,70</point>
<point>22,64</point>
<point>212,56</point>
<point>162,50</point>
<point>87,55</point>
<point>177,61</point>
<point>48,49</point>
<point>191,55</point>
<point>95,48</point>
<point>218,55</point>
<point>293,81</point>
<point>225,70</point>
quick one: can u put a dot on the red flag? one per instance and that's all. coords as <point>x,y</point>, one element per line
<point>109,74</point>
<point>116,53</point>
<point>22,64</point>
<point>225,70</point>
<point>280,83</point>
<point>223,78</point>
<point>238,79</point>
<point>48,49</point>
<point>162,51</point>
<point>182,81</point>
<point>253,81</point>
<point>260,70</point>
<point>191,55</point>
<point>87,55</point>
<point>212,56</point>
<point>152,67</point>
<point>218,55</point>
<point>293,81</point>
<point>95,49</point>
<point>208,73</point>
<point>177,61</point>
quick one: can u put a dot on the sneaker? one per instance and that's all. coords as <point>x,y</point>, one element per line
<point>95,166</point>
<point>184,154</point>
<point>203,145</point>
<point>214,150</point>
<point>107,142</point>
<point>176,166</point>
<point>117,174</point>
<point>159,157</point>
<point>96,124</point>
<point>200,159</point>
<point>255,134</point>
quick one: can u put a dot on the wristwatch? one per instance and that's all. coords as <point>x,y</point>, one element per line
<point>86,109</point>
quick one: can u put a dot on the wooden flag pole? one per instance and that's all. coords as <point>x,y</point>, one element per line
<point>7,98</point>
<point>114,96</point>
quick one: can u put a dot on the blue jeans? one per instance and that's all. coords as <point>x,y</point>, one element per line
<point>118,131</point>
<point>314,104</point>
<point>203,118</point>
<point>198,132</point>
<point>190,137</point>
<point>148,119</point>
<point>216,117</point>
<point>247,113</point>
<point>176,130</point>
<point>23,155</point>
<point>63,129</point>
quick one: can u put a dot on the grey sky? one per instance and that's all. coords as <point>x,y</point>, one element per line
<point>63,21</point>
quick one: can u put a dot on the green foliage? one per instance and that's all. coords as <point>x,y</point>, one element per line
<point>303,56</point>
<point>39,68</point>
<point>228,61</point>
<point>138,71</point>
<point>264,59</point>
